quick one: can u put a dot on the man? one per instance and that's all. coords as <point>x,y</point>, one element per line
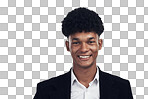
<point>85,80</point>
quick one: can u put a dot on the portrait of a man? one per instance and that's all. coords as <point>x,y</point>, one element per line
<point>85,80</point>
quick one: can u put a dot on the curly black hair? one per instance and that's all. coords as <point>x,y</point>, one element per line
<point>82,20</point>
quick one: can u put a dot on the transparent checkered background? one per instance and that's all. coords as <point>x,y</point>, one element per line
<point>32,45</point>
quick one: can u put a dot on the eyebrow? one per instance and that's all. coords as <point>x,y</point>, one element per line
<point>79,39</point>
<point>75,39</point>
<point>91,38</point>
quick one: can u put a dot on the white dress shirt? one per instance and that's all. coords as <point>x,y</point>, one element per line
<point>79,91</point>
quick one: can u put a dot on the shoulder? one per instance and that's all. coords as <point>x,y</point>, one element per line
<point>112,82</point>
<point>49,88</point>
<point>115,79</point>
<point>54,81</point>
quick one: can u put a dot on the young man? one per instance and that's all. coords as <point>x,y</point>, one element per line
<point>85,80</point>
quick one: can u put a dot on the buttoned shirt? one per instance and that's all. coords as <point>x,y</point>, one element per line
<point>79,91</point>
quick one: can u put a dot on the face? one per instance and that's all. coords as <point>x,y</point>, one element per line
<point>84,48</point>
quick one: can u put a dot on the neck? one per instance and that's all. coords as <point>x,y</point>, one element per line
<point>85,75</point>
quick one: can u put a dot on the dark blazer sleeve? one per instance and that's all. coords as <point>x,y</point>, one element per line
<point>114,87</point>
<point>38,94</point>
<point>125,91</point>
<point>130,96</point>
<point>54,88</point>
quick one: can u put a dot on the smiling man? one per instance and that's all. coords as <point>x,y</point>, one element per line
<point>85,80</point>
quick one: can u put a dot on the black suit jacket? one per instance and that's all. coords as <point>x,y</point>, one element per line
<point>111,87</point>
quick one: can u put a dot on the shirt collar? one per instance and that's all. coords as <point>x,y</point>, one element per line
<point>73,77</point>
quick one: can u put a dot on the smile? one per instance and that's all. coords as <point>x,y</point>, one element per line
<point>84,56</point>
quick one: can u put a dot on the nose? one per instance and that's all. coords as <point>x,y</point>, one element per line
<point>84,47</point>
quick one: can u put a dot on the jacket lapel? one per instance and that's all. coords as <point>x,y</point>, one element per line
<point>107,86</point>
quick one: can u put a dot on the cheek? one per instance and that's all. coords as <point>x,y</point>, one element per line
<point>95,52</point>
<point>95,48</point>
<point>73,50</point>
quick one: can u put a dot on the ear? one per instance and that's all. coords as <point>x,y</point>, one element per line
<point>67,45</point>
<point>100,41</point>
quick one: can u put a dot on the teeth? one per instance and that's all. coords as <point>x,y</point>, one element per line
<point>83,56</point>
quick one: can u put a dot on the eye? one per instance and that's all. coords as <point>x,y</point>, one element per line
<point>75,43</point>
<point>91,42</point>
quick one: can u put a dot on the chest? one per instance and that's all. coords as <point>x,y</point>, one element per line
<point>79,91</point>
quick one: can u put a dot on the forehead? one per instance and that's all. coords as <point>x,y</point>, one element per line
<point>83,36</point>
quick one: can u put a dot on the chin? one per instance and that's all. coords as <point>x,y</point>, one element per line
<point>85,66</point>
